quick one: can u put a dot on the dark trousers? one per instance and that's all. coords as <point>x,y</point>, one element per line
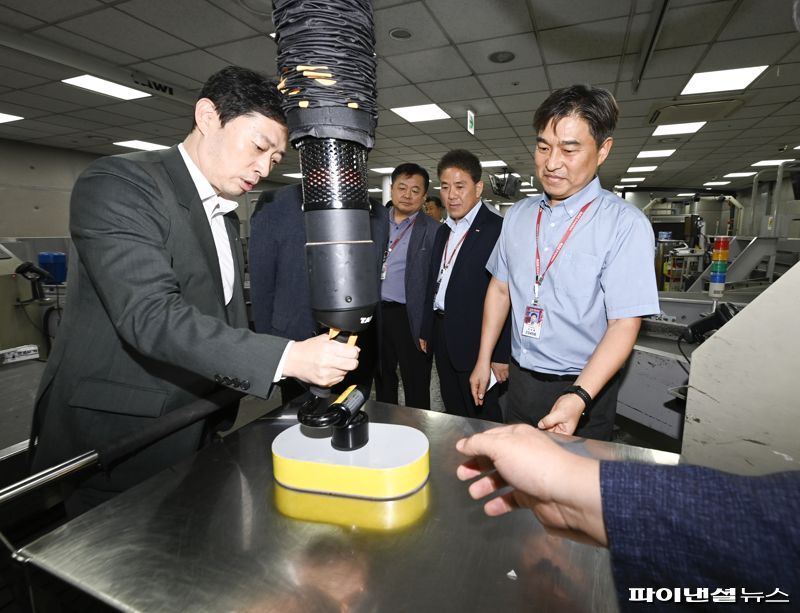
<point>531,395</point>
<point>398,347</point>
<point>454,384</point>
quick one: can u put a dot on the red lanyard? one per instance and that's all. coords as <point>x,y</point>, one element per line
<point>447,261</point>
<point>540,277</point>
<point>399,238</point>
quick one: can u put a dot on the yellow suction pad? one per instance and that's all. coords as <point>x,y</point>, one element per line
<point>379,515</point>
<point>394,463</point>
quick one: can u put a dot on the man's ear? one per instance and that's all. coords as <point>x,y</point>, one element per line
<point>205,115</point>
<point>604,150</point>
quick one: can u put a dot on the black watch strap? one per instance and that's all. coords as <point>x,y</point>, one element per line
<point>580,393</point>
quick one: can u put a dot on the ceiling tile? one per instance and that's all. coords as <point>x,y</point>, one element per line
<point>692,25</point>
<point>258,53</point>
<point>412,16</point>
<point>430,65</point>
<point>524,47</point>
<point>216,26</point>
<point>583,41</point>
<point>748,52</point>
<point>448,90</point>
<point>515,81</point>
<point>53,10</point>
<point>471,20</point>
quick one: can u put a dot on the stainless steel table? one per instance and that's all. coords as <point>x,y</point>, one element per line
<point>206,536</point>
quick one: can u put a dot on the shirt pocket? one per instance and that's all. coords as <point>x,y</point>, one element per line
<point>579,274</point>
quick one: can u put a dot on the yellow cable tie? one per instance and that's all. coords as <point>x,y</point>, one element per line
<point>302,68</point>
<point>352,105</point>
<point>312,74</point>
<point>325,81</point>
<point>303,104</point>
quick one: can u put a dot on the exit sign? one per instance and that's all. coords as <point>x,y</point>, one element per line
<point>470,122</point>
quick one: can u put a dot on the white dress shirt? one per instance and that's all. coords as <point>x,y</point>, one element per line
<point>458,231</point>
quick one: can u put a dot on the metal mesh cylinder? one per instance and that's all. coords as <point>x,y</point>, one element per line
<point>334,174</point>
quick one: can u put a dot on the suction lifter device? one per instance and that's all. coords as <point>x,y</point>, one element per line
<point>348,422</point>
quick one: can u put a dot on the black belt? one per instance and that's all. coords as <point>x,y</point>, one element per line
<point>544,376</point>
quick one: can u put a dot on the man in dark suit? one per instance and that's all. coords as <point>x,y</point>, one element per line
<point>281,296</point>
<point>457,285</point>
<point>155,316</point>
<point>404,276</point>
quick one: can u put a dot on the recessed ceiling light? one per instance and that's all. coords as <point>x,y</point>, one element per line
<point>272,35</point>
<point>293,175</point>
<point>101,86</point>
<point>631,179</point>
<point>399,34</point>
<point>679,128</point>
<point>798,147</point>
<point>525,184</point>
<point>493,164</point>
<point>383,171</point>
<point>656,153</point>
<point>140,144</point>
<point>770,162</point>
<point>642,168</point>
<point>5,118</point>
<point>501,57</point>
<point>420,112</point>
<point>713,183</point>
<point>686,194</point>
<point>622,186</point>
<point>722,80</point>
<point>733,175</point>
<point>529,189</point>
<point>374,189</point>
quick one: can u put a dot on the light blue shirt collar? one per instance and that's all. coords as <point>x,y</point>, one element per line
<point>575,202</point>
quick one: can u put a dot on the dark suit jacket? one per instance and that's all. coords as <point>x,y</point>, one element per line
<point>466,291</point>
<point>145,327</point>
<point>418,263</point>
<point>694,527</point>
<point>278,276</point>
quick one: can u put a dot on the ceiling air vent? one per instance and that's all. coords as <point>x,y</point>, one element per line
<point>694,111</point>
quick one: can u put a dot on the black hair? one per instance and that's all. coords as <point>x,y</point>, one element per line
<point>436,200</point>
<point>411,169</point>
<point>237,91</point>
<point>463,160</point>
<point>594,105</point>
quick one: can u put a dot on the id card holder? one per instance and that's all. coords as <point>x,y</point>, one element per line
<point>384,265</point>
<point>532,321</point>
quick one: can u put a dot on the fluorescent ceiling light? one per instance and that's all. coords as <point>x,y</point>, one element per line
<point>436,187</point>
<point>293,175</point>
<point>493,164</point>
<point>525,184</point>
<point>272,35</point>
<point>421,112</point>
<point>623,186</point>
<point>383,171</point>
<point>709,183</point>
<point>770,162</point>
<point>722,80</point>
<point>5,118</point>
<point>374,189</point>
<point>631,179</point>
<point>798,147</point>
<point>733,175</point>
<point>529,189</point>
<point>679,128</point>
<point>656,153</point>
<point>140,144</point>
<point>642,168</point>
<point>688,194</point>
<point>101,86</point>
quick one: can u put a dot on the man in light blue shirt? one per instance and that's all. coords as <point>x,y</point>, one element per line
<point>575,268</point>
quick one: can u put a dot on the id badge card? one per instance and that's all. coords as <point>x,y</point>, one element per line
<point>384,265</point>
<point>532,321</point>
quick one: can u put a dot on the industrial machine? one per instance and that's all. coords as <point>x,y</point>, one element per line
<point>22,303</point>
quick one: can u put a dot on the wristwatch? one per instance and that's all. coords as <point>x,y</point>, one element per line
<point>580,393</point>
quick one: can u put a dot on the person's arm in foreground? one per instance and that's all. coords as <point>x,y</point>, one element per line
<point>608,357</point>
<point>561,488</point>
<point>495,311</point>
